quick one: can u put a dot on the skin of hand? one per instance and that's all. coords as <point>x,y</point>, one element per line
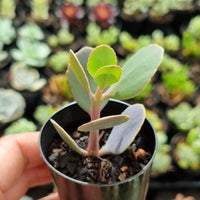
<point>22,166</point>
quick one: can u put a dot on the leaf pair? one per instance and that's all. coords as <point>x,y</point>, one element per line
<point>98,69</point>
<point>121,135</point>
<point>90,68</point>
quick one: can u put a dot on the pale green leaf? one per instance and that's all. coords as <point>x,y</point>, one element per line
<point>101,56</point>
<point>108,75</point>
<point>67,138</point>
<point>104,123</point>
<point>79,93</point>
<point>137,73</point>
<point>123,135</point>
<point>79,71</point>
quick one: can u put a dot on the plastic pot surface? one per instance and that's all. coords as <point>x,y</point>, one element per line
<point>134,188</point>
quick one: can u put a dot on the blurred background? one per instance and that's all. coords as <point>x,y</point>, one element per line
<point>35,39</point>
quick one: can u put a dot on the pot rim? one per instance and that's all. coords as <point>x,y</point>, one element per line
<point>145,168</point>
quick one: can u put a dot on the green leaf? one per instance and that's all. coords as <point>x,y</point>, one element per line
<point>103,123</point>
<point>78,71</point>
<point>123,135</point>
<point>67,138</point>
<point>137,72</point>
<point>108,75</point>
<point>79,93</point>
<point>101,56</point>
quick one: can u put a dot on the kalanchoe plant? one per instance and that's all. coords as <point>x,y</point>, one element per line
<point>94,77</point>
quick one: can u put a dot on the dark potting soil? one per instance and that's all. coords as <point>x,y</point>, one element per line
<point>105,170</point>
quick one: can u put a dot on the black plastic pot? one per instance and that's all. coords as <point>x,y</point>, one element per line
<point>134,188</point>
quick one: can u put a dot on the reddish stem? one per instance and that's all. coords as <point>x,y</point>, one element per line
<point>93,145</point>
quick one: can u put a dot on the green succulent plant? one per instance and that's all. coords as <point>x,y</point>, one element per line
<point>23,78</point>
<point>96,36</point>
<point>191,37</point>
<point>40,10</point>
<point>184,116</point>
<point>43,112</point>
<point>58,61</point>
<point>7,8</point>
<point>22,125</point>
<point>31,53</point>
<point>163,160</point>
<point>93,77</point>
<point>188,152</point>
<point>12,105</point>
<point>62,38</point>
<point>7,31</point>
<point>179,82</point>
<point>31,31</point>
<point>3,54</point>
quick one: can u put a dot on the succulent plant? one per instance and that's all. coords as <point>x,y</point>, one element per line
<point>65,37</point>
<point>3,54</point>
<point>62,38</point>
<point>58,61</point>
<point>190,38</point>
<point>31,31</point>
<point>43,112</point>
<point>96,36</point>
<point>94,77</point>
<point>178,84</point>
<point>12,105</point>
<point>127,41</point>
<point>7,31</point>
<point>7,8</point>
<point>32,53</point>
<point>163,160</point>
<point>22,78</point>
<point>72,12</point>
<point>57,90</point>
<point>22,125</point>
<point>103,14</point>
<point>187,153</point>
<point>40,10</point>
<point>184,116</point>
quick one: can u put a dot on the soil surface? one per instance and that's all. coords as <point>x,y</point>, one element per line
<point>105,170</point>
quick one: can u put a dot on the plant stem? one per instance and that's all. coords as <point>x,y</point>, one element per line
<point>93,145</point>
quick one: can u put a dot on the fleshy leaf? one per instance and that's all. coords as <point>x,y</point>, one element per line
<point>123,135</point>
<point>79,71</point>
<point>79,93</point>
<point>137,73</point>
<point>107,75</point>
<point>104,123</point>
<point>67,138</point>
<point>101,56</point>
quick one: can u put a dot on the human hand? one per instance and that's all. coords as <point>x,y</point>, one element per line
<point>21,166</point>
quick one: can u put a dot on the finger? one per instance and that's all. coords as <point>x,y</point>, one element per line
<point>30,178</point>
<point>17,153</point>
